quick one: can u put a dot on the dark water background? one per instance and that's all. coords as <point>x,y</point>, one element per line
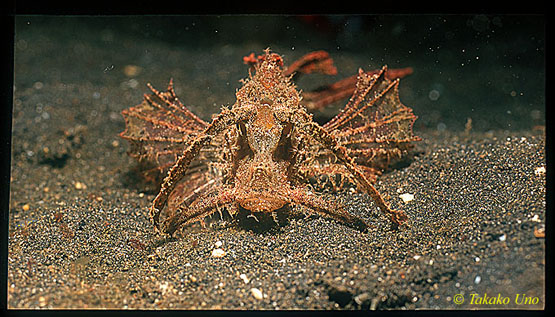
<point>490,68</point>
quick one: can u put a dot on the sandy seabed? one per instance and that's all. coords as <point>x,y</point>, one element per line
<point>80,237</point>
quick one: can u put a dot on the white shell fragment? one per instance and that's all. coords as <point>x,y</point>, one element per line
<point>256,293</point>
<point>244,278</point>
<point>218,253</point>
<point>540,171</point>
<point>406,197</point>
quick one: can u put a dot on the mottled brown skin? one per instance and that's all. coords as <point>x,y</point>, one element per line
<point>260,154</point>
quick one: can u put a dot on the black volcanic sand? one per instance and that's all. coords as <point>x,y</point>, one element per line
<point>80,237</point>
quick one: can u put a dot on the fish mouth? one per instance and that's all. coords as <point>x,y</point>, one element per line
<point>262,203</point>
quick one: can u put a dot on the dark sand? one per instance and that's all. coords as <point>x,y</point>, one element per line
<point>79,234</point>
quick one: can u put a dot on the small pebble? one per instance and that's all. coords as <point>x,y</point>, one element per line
<point>478,279</point>
<point>219,244</point>
<point>407,197</point>
<point>218,253</point>
<point>244,278</point>
<point>540,171</point>
<point>361,298</point>
<point>256,293</point>
<point>79,185</point>
<point>539,232</point>
<point>26,207</point>
<point>374,303</point>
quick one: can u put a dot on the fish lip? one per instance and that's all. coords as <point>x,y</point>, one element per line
<point>262,202</point>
